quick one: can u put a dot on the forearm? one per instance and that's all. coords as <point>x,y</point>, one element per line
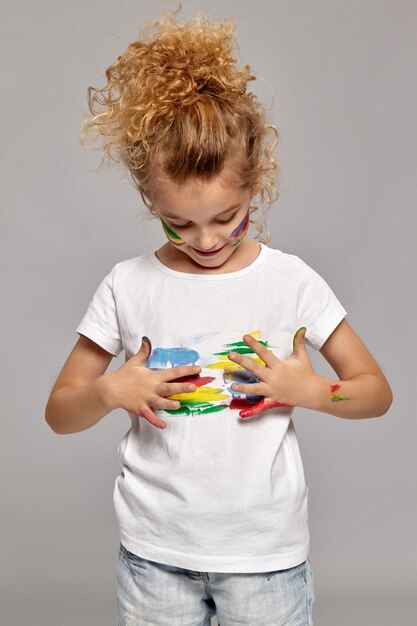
<point>363,396</point>
<point>73,409</point>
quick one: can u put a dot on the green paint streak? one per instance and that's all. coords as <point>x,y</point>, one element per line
<point>241,347</point>
<point>201,408</point>
<point>338,398</point>
<point>238,241</point>
<point>242,350</point>
<point>171,232</point>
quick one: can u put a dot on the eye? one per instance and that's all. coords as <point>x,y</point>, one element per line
<point>230,219</point>
<point>177,226</point>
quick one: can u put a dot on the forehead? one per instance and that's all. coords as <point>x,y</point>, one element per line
<point>193,198</point>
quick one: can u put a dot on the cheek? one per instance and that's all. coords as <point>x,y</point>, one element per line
<point>173,237</point>
<point>241,230</point>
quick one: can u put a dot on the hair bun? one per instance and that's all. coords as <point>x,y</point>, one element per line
<point>188,61</point>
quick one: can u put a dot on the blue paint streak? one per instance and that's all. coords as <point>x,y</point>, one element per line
<point>243,377</point>
<point>162,358</point>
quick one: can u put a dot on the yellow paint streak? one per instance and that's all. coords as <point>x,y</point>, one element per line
<point>256,334</point>
<point>201,394</point>
<point>225,364</point>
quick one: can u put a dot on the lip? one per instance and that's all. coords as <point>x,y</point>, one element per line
<point>212,253</point>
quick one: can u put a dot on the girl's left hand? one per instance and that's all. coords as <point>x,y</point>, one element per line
<point>283,382</point>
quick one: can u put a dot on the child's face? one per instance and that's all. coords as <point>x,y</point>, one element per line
<point>213,217</point>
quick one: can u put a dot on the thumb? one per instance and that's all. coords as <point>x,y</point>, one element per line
<point>298,343</point>
<point>145,350</point>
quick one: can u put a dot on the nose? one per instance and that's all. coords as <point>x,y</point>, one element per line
<point>207,241</point>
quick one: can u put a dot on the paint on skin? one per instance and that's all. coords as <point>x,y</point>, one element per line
<point>333,396</point>
<point>241,230</point>
<point>172,235</point>
<point>297,334</point>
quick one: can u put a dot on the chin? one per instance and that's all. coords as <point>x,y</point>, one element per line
<point>208,262</point>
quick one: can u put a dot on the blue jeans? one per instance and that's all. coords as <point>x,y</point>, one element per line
<point>163,595</point>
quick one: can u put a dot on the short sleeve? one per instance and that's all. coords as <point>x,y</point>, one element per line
<point>100,322</point>
<point>318,309</point>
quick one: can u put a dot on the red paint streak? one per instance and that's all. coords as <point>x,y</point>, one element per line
<point>239,404</point>
<point>202,380</point>
<point>261,406</point>
<point>334,388</point>
<point>198,380</point>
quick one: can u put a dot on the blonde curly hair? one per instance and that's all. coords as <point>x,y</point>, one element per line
<point>175,106</point>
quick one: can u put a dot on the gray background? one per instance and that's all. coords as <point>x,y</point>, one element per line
<point>340,80</point>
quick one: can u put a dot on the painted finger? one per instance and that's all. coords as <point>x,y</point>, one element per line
<point>299,338</point>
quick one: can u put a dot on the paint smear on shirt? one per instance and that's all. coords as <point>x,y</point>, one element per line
<point>208,398</point>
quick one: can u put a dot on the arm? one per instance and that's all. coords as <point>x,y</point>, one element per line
<point>362,390</point>
<point>78,399</point>
<point>84,393</point>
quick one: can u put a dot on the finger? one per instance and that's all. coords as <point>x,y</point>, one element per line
<point>179,372</point>
<point>171,389</point>
<point>144,352</point>
<point>261,406</point>
<point>150,416</point>
<point>249,364</point>
<point>148,343</point>
<point>299,339</point>
<point>262,351</point>
<point>257,389</point>
<point>166,404</point>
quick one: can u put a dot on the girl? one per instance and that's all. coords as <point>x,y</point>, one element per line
<point>211,500</point>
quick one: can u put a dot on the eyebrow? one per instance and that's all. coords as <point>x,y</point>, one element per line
<point>174,217</point>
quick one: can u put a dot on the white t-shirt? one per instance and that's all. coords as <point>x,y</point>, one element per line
<point>212,491</point>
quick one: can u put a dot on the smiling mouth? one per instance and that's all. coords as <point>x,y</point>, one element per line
<point>213,252</point>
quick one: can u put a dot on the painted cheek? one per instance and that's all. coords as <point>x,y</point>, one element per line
<point>173,237</point>
<point>241,230</point>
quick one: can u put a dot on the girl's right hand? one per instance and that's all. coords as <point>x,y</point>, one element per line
<point>138,389</point>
